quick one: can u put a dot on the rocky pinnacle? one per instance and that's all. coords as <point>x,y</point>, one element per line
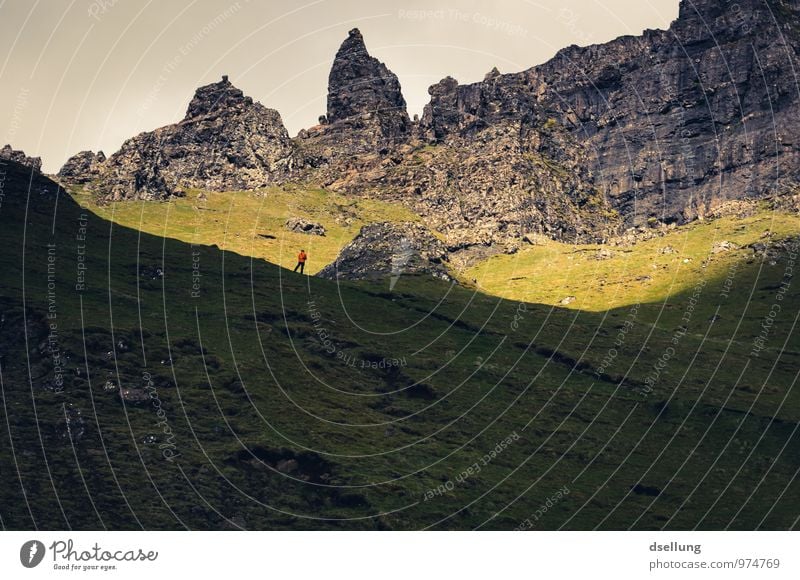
<point>361,85</point>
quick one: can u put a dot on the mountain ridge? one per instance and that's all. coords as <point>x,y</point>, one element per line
<point>664,126</point>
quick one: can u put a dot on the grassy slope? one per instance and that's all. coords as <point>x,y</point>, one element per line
<point>239,221</point>
<point>251,388</point>
<point>643,272</point>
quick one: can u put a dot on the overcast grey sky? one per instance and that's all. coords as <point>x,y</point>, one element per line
<point>87,74</point>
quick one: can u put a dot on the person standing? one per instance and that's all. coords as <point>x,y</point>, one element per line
<point>301,261</point>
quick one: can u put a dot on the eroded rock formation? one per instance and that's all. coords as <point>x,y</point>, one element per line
<point>10,154</point>
<point>225,142</point>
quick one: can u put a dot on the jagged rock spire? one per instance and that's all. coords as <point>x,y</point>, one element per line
<point>360,85</point>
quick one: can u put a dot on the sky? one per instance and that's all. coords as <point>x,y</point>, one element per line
<point>88,74</point>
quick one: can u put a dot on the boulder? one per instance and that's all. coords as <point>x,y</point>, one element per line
<point>133,396</point>
<point>304,226</point>
<point>390,250</point>
<point>723,246</point>
<point>71,426</point>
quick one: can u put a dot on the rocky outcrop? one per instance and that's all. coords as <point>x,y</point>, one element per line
<point>601,141</point>
<point>668,124</point>
<point>359,86</point>
<point>82,168</point>
<point>774,250</point>
<point>489,190</point>
<point>490,184</point>
<point>366,109</point>
<point>388,251</point>
<point>225,142</point>
<point>10,154</point>
<point>665,127</point>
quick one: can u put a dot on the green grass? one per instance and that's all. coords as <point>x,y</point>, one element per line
<point>639,273</point>
<point>253,223</point>
<point>276,430</point>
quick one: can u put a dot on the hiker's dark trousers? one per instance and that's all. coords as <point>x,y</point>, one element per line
<point>300,265</point>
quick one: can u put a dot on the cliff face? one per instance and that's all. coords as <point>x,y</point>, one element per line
<point>669,124</point>
<point>488,185</point>
<point>489,189</point>
<point>225,142</point>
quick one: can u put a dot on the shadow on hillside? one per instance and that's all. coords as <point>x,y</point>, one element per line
<point>149,382</point>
